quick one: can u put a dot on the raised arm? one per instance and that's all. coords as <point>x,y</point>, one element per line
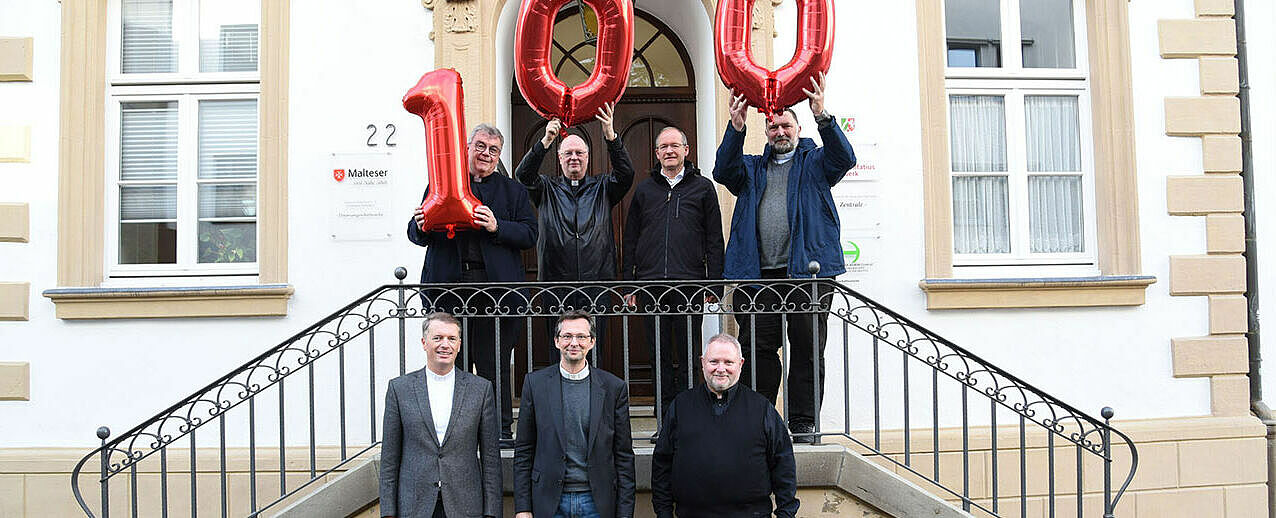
<point>728,169</point>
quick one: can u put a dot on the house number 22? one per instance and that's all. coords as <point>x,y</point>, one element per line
<point>372,134</point>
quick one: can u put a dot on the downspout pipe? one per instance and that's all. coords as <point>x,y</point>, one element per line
<point>1257,404</point>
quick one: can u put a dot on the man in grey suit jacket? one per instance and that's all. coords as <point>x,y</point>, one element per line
<point>573,456</point>
<point>439,453</point>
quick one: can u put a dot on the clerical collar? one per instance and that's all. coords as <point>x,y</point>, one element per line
<point>478,179</point>
<point>450,374</point>
<point>781,158</point>
<point>584,373</point>
<point>726,394</point>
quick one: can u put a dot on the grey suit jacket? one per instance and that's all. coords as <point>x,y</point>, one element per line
<point>415,467</point>
<point>539,461</point>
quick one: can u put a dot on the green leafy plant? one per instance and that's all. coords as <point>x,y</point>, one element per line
<point>228,243</point>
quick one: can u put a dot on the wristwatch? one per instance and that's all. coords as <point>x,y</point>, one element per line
<point>824,117</point>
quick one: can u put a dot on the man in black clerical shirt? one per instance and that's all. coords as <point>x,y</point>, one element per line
<point>728,434</point>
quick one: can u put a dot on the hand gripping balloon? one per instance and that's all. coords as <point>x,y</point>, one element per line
<point>547,94</point>
<point>772,91</point>
<point>439,100</point>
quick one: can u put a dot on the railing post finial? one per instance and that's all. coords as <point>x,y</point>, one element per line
<point>102,433</point>
<point>400,273</point>
<point>813,268</point>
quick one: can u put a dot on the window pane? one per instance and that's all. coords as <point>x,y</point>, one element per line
<point>1056,214</point>
<point>978,133</point>
<point>148,243</point>
<point>148,202</point>
<point>228,35</point>
<point>148,141</point>
<point>666,63</point>
<point>228,201</point>
<point>975,27</point>
<point>227,242</point>
<point>1054,133</point>
<point>1048,34</point>
<point>147,37</point>
<point>638,74</point>
<point>981,221</point>
<point>228,139</point>
<point>572,71</point>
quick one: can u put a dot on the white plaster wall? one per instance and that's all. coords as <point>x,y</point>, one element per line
<point>351,65</point>
<point>1260,20</point>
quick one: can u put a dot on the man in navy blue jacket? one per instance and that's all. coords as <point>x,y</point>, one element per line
<point>491,253</point>
<point>784,219</point>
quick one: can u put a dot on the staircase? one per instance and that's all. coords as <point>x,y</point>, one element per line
<point>906,422</point>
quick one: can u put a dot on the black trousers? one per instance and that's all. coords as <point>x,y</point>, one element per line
<point>676,373</point>
<point>591,300</point>
<point>489,355</point>
<point>807,334</point>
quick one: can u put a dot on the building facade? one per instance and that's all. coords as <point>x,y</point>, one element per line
<point>1073,211</point>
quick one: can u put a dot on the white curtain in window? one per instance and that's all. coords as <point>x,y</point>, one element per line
<point>147,35</point>
<point>981,215</point>
<point>1053,133</point>
<point>1056,215</point>
<point>978,133</point>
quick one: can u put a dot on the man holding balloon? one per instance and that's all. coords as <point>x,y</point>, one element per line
<point>784,220</point>
<point>504,226</point>
<point>576,238</point>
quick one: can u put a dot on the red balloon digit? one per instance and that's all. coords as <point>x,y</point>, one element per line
<point>547,94</point>
<point>772,91</point>
<point>438,99</point>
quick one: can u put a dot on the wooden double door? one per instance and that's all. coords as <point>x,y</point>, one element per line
<point>639,117</point>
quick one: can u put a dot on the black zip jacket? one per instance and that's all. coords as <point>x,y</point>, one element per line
<point>674,233</point>
<point>576,238</point>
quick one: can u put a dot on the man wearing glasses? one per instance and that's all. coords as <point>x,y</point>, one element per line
<point>576,238</point>
<point>574,457</point>
<point>674,232</point>
<point>489,254</point>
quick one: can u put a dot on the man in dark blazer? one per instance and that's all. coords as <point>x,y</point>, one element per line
<point>439,453</point>
<point>492,253</point>
<point>574,455</point>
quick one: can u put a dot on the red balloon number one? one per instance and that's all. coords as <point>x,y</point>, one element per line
<point>772,91</point>
<point>547,94</point>
<point>438,99</point>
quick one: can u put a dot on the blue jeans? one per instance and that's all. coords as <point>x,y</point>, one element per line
<point>576,505</point>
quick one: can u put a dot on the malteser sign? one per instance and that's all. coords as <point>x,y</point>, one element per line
<point>360,196</point>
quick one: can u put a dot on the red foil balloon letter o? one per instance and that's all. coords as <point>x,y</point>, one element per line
<point>772,91</point>
<point>439,100</point>
<point>547,94</point>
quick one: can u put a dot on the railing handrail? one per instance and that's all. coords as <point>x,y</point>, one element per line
<point>212,394</point>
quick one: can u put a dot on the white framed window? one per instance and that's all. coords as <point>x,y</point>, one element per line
<point>182,144</point>
<point>1020,138</point>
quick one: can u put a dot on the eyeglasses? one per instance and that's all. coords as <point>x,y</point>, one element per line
<point>573,153</point>
<point>484,149</point>
<point>575,338</point>
<point>664,147</point>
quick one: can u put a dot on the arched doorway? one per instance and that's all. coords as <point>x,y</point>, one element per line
<point>661,92</point>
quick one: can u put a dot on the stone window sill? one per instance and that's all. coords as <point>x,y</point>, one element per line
<point>1048,292</point>
<point>192,302</point>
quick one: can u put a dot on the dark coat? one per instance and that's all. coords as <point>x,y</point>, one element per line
<point>674,233</point>
<point>414,466</point>
<point>814,227</point>
<point>539,465</point>
<point>576,238</point>
<point>515,232</point>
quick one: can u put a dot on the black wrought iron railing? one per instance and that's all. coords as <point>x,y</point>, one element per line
<point>260,436</point>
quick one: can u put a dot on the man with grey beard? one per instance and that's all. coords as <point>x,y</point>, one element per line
<point>730,435</point>
<point>784,220</point>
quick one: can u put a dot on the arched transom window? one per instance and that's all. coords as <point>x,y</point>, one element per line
<point>658,59</point>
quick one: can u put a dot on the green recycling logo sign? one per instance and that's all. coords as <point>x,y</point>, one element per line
<point>851,252</point>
